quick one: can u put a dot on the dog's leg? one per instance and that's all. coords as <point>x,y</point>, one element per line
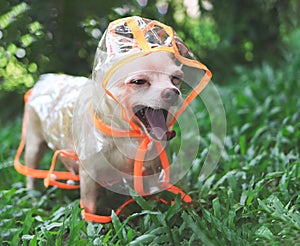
<point>88,192</point>
<point>35,144</point>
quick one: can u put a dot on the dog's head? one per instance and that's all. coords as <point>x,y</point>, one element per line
<point>136,63</point>
<point>148,92</point>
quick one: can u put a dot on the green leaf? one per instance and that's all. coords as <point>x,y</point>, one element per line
<point>142,240</point>
<point>173,212</point>
<point>145,205</point>
<point>196,229</point>
<point>48,236</point>
<point>9,17</point>
<point>264,232</point>
<point>117,225</point>
<point>129,235</point>
<point>26,40</point>
<point>52,225</point>
<point>140,200</point>
<point>106,238</point>
<point>33,241</point>
<point>217,207</point>
<point>28,221</point>
<point>27,237</point>
<point>90,230</point>
<point>243,144</point>
<point>75,233</point>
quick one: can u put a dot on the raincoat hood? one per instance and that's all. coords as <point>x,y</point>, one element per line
<point>130,39</point>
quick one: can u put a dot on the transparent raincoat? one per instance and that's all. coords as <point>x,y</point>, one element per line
<point>117,145</point>
<point>124,46</point>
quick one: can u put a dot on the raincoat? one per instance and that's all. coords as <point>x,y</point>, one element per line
<point>89,137</point>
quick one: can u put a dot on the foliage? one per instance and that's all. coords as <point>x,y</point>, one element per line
<point>16,74</point>
<point>61,36</point>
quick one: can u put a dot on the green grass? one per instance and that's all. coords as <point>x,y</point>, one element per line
<point>253,196</point>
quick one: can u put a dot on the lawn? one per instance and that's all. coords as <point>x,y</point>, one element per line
<point>252,197</point>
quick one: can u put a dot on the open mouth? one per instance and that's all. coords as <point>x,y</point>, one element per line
<point>155,122</point>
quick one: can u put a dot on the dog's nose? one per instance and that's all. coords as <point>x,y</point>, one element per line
<point>170,96</point>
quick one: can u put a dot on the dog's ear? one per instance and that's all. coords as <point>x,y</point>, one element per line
<point>182,48</point>
<point>176,61</point>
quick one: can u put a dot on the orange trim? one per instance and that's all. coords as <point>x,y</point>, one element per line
<point>114,132</point>
<point>27,95</point>
<point>44,174</point>
<point>194,93</point>
<point>62,175</point>
<point>138,167</point>
<point>101,218</point>
<point>61,185</point>
<point>164,161</point>
<point>106,219</point>
<point>185,197</point>
<point>138,34</point>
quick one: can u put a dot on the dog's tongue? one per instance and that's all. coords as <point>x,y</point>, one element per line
<point>158,124</point>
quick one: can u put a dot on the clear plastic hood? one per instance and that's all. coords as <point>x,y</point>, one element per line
<point>122,51</point>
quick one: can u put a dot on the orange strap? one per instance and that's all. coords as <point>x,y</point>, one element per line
<point>101,218</point>
<point>43,174</point>
<point>138,167</point>
<point>62,175</point>
<point>113,132</point>
<point>106,219</point>
<point>138,34</point>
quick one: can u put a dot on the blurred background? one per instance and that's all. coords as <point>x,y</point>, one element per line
<point>61,36</point>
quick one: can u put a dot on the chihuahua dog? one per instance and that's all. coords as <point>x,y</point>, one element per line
<point>147,90</point>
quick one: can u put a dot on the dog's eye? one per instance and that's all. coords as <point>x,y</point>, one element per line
<point>138,81</point>
<point>176,81</point>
